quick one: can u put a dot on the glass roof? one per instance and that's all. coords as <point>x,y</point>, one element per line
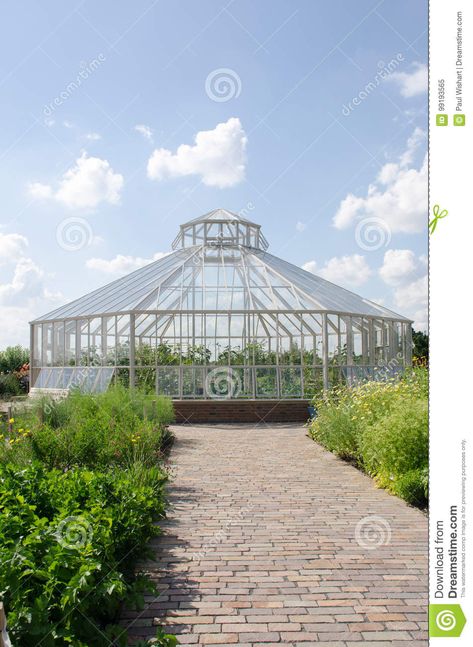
<point>224,270</point>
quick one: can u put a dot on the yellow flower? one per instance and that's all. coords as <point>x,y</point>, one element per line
<point>11,421</point>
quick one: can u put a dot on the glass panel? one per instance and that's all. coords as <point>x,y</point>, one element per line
<point>47,355</point>
<point>37,330</point>
<point>84,343</point>
<point>168,381</point>
<point>55,379</point>
<point>105,377</point>
<point>70,343</point>
<point>242,382</point>
<point>291,382</point>
<point>42,378</point>
<point>192,382</point>
<point>266,383</point>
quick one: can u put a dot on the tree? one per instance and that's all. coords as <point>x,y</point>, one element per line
<point>421,344</point>
<point>13,358</point>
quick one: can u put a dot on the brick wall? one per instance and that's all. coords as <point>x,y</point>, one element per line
<point>241,411</point>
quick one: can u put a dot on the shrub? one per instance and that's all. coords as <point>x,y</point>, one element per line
<point>80,494</point>
<point>9,385</point>
<point>68,545</point>
<point>398,443</point>
<point>383,428</point>
<point>114,428</point>
<point>13,358</point>
<point>336,430</point>
<point>413,487</point>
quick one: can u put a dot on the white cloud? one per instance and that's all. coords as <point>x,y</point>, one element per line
<point>401,266</point>
<point>407,274</point>
<point>218,156</point>
<point>11,247</point>
<point>346,271</point>
<point>301,226</point>
<point>349,208</point>
<point>27,282</point>
<point>411,83</point>
<point>24,295</point>
<point>121,264</point>
<point>398,196</point>
<point>310,266</point>
<point>93,137</point>
<point>412,294</point>
<point>144,130</point>
<point>87,184</point>
<point>40,191</point>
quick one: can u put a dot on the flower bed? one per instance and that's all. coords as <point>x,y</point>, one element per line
<point>81,490</point>
<point>382,427</point>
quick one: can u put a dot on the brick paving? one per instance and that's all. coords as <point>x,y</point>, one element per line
<point>272,540</point>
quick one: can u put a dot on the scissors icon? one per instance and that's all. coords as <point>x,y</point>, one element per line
<point>437,215</point>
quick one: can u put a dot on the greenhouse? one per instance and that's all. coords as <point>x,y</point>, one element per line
<point>218,317</point>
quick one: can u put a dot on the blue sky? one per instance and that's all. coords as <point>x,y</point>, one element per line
<point>308,117</point>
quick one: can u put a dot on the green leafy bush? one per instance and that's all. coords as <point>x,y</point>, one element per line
<point>398,442</point>
<point>383,428</point>
<point>13,358</point>
<point>68,545</point>
<point>81,491</point>
<point>413,487</point>
<point>336,430</point>
<point>9,385</point>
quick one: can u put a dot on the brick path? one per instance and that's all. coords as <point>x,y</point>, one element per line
<point>261,547</point>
